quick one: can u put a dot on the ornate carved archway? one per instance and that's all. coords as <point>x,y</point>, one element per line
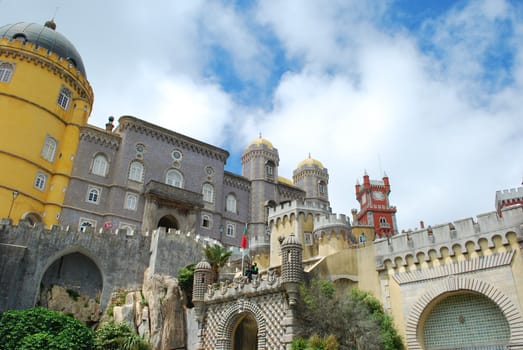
<point>453,284</point>
<point>230,320</point>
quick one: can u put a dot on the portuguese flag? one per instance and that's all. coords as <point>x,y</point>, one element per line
<point>244,237</point>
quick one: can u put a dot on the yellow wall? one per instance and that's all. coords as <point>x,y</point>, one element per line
<point>29,112</point>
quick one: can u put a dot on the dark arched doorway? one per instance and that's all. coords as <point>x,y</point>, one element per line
<point>73,284</point>
<point>465,321</point>
<point>245,335</point>
<point>169,222</point>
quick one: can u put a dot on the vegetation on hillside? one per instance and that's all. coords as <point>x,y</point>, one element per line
<point>348,322</point>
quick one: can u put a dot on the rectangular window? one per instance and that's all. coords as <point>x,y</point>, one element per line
<point>6,71</point>
<point>93,194</point>
<point>131,201</point>
<point>49,148</point>
<point>86,224</point>
<point>206,221</point>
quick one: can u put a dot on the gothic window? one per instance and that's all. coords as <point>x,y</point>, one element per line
<point>64,97</point>
<point>206,221</point>
<point>230,203</point>
<point>322,188</point>
<point>174,178</point>
<point>136,171</point>
<point>269,169</point>
<point>93,195</point>
<point>100,165</point>
<point>49,148</point>
<point>230,230</point>
<point>208,193</point>
<point>6,71</point>
<point>131,201</point>
<point>40,181</point>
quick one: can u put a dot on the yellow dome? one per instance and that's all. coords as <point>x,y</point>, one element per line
<point>310,162</point>
<point>261,141</point>
<point>284,180</point>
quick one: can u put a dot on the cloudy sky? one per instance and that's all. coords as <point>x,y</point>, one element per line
<point>431,92</point>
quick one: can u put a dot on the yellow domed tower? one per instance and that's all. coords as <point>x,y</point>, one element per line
<point>44,100</point>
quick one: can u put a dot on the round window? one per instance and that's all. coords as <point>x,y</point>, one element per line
<point>176,154</point>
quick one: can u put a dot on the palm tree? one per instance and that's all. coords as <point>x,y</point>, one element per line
<point>217,257</point>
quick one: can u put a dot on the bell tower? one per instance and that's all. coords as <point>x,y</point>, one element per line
<point>375,209</point>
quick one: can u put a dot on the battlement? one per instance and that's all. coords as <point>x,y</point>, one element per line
<point>513,193</point>
<point>449,235</point>
<point>330,220</point>
<point>232,290</point>
<point>295,206</point>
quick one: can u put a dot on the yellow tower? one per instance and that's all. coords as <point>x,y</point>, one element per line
<point>44,99</point>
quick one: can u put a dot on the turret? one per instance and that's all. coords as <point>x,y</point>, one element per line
<point>203,276</point>
<point>291,267</point>
<point>311,176</point>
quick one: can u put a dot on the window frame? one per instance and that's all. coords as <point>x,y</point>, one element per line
<point>231,203</point>
<point>64,98</point>
<point>40,181</point>
<point>206,221</point>
<point>128,201</point>
<point>6,71</point>
<point>49,148</point>
<point>230,230</point>
<point>89,222</point>
<point>208,192</point>
<point>169,178</point>
<point>100,165</point>
<point>136,171</point>
<point>94,195</point>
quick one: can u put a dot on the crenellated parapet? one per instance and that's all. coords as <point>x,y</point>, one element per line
<point>296,206</point>
<point>446,241</point>
<point>509,197</point>
<point>241,287</point>
<point>40,56</point>
<point>331,223</point>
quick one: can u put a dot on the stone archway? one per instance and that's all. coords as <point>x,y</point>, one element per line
<point>72,283</point>
<point>169,222</point>
<point>461,285</point>
<point>245,334</point>
<point>238,312</point>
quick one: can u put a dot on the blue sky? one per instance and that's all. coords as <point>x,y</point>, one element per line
<point>428,91</point>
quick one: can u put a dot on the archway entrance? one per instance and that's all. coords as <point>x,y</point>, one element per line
<point>245,335</point>
<point>169,222</point>
<point>465,321</point>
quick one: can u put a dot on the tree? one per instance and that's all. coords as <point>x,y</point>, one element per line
<point>118,336</point>
<point>217,257</point>
<point>349,319</point>
<point>186,281</point>
<point>40,328</point>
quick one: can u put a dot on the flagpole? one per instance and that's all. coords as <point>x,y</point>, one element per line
<point>243,251</point>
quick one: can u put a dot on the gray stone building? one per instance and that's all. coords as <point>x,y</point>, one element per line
<point>138,176</point>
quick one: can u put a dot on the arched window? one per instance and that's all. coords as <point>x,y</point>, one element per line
<point>64,97</point>
<point>93,195</point>
<point>208,193</point>
<point>206,221</point>
<point>322,188</point>
<point>100,165</point>
<point>136,171</point>
<point>131,201</point>
<point>269,169</point>
<point>230,230</point>
<point>174,178</point>
<point>40,181</point>
<point>85,224</point>
<point>6,71</point>
<point>49,149</point>
<point>230,203</point>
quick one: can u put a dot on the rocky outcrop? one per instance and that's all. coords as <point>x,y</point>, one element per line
<point>82,307</point>
<point>157,312</point>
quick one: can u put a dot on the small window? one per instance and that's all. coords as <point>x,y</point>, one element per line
<point>40,181</point>
<point>131,201</point>
<point>206,221</point>
<point>136,171</point>
<point>6,72</point>
<point>49,148</point>
<point>100,165</point>
<point>140,148</point>
<point>269,169</point>
<point>322,188</point>
<point>174,178</point>
<point>230,203</point>
<point>177,154</point>
<point>93,194</point>
<point>230,230</point>
<point>208,193</point>
<point>85,224</point>
<point>64,98</point>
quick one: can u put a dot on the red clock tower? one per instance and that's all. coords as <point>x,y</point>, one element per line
<point>375,209</point>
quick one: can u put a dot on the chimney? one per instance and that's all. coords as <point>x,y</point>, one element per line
<point>109,126</point>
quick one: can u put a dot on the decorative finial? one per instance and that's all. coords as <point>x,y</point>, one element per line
<point>365,173</point>
<point>260,135</point>
<point>50,24</point>
<point>309,155</point>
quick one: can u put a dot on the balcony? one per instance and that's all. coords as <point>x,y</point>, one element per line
<point>168,194</point>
